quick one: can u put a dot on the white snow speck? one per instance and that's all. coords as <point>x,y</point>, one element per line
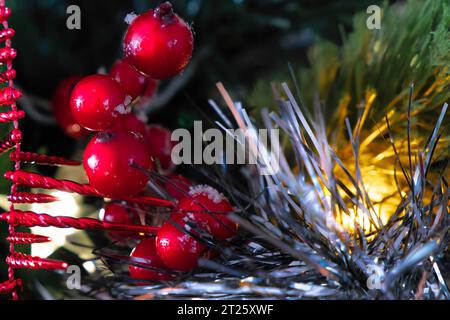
<point>129,18</point>
<point>203,189</point>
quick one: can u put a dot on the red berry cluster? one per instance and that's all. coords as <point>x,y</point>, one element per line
<point>177,245</point>
<point>157,45</point>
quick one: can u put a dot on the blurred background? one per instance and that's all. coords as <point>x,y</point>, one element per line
<point>243,43</point>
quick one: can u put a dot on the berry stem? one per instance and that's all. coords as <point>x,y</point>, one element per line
<point>165,11</point>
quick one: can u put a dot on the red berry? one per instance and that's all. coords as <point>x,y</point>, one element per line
<point>178,250</point>
<point>114,212</point>
<point>97,102</point>
<point>110,159</point>
<point>160,145</point>
<point>132,81</point>
<point>150,88</point>
<point>145,254</point>
<point>159,43</point>
<point>177,186</point>
<point>131,122</point>
<point>208,208</point>
<point>61,108</point>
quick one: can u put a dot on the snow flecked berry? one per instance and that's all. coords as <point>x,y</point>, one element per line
<point>98,101</point>
<point>132,81</point>
<point>178,250</point>
<point>145,254</point>
<point>159,142</point>
<point>111,159</point>
<point>208,208</point>
<point>115,212</point>
<point>61,108</point>
<point>159,43</point>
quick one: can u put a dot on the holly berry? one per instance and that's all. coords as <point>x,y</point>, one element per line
<point>160,145</point>
<point>145,253</point>
<point>159,43</point>
<point>131,122</point>
<point>208,208</point>
<point>61,108</point>
<point>97,102</point>
<point>177,186</point>
<point>111,159</point>
<point>132,81</point>
<point>178,250</point>
<point>150,88</point>
<point>115,212</point>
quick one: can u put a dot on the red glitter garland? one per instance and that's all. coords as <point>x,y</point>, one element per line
<point>8,97</point>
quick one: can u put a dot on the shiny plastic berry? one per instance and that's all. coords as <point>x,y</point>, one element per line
<point>133,82</point>
<point>178,250</point>
<point>208,209</point>
<point>61,108</point>
<point>159,142</point>
<point>122,213</point>
<point>159,43</point>
<point>177,186</point>
<point>111,159</point>
<point>132,122</point>
<point>145,254</point>
<point>98,102</point>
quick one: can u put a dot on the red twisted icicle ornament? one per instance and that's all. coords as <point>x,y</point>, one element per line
<point>27,238</point>
<point>20,260</point>
<point>18,177</point>
<point>28,197</point>
<point>9,95</point>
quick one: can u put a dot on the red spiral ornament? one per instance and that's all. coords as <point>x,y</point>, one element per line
<point>28,197</point>
<point>27,238</point>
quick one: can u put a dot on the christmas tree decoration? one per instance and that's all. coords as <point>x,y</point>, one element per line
<point>10,140</point>
<point>62,110</point>
<point>98,102</point>
<point>131,122</point>
<point>132,81</point>
<point>348,198</point>
<point>160,144</point>
<point>208,208</point>
<point>159,43</point>
<point>115,163</point>
<point>122,213</point>
<point>144,255</point>
<point>177,249</point>
<point>176,185</point>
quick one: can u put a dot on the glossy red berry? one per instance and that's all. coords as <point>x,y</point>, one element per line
<point>98,102</point>
<point>160,145</point>
<point>110,161</point>
<point>132,122</point>
<point>177,186</point>
<point>159,43</point>
<point>61,108</point>
<point>208,209</point>
<point>132,81</point>
<point>178,250</point>
<point>145,254</point>
<point>150,88</point>
<point>122,213</point>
